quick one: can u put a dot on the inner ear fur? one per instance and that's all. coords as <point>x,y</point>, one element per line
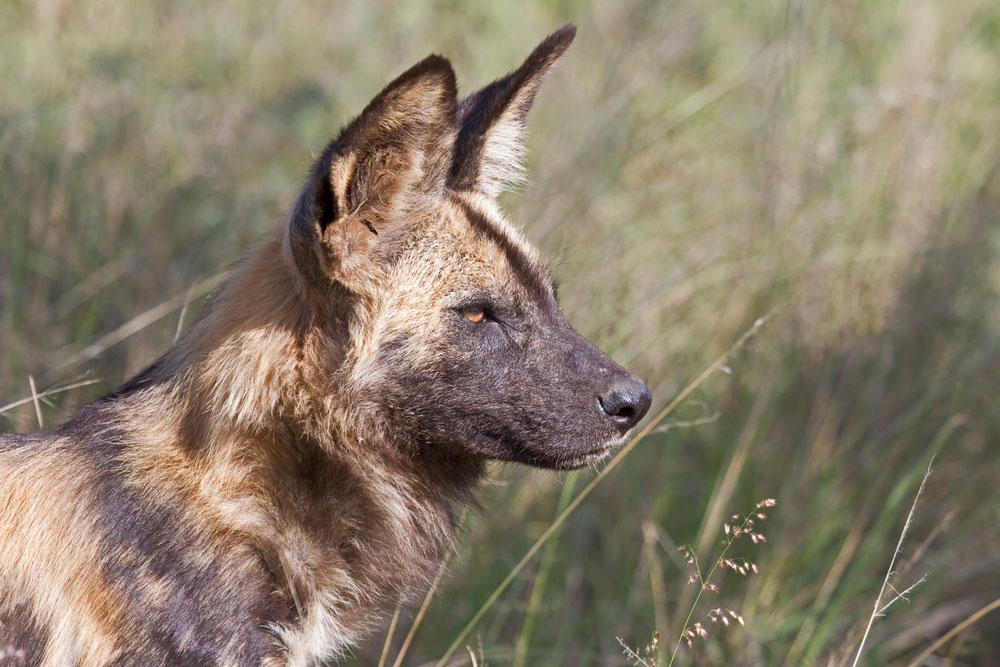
<point>490,144</point>
<point>391,161</point>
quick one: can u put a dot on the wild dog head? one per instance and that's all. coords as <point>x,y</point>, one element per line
<point>452,335</point>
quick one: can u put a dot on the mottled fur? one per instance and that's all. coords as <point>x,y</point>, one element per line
<point>294,465</point>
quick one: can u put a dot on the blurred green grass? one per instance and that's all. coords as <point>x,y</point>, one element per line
<point>695,164</point>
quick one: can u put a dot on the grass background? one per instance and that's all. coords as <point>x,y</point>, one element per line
<point>695,164</point>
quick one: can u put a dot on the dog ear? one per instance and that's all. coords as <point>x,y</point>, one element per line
<point>490,142</point>
<point>386,167</point>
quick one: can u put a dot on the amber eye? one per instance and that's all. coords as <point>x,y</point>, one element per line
<point>474,314</point>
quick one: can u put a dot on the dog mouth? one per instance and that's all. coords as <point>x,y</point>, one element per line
<point>583,461</point>
<point>591,457</point>
<point>555,456</point>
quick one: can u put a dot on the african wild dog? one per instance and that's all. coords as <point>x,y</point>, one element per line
<point>294,465</point>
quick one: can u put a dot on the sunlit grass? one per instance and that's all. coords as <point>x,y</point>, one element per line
<point>694,164</point>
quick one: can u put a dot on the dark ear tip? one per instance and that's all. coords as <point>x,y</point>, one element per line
<point>560,40</point>
<point>564,34</point>
<point>552,47</point>
<point>433,62</point>
<point>433,65</point>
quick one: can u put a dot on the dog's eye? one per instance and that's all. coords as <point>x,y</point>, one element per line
<point>474,314</point>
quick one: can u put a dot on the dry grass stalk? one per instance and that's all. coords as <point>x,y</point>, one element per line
<point>876,610</point>
<point>742,526</point>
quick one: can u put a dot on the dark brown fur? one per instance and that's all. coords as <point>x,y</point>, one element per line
<point>294,465</point>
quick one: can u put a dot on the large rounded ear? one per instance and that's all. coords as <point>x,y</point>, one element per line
<point>491,137</point>
<point>387,169</point>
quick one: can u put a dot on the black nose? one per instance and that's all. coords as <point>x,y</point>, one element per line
<point>626,403</point>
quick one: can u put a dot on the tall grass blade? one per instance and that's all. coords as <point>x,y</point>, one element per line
<point>892,563</point>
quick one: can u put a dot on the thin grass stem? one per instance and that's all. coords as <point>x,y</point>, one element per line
<point>34,398</point>
<point>703,584</point>
<point>538,588</point>
<point>136,324</point>
<point>892,564</point>
<point>423,609</point>
<point>388,636</point>
<point>47,392</point>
